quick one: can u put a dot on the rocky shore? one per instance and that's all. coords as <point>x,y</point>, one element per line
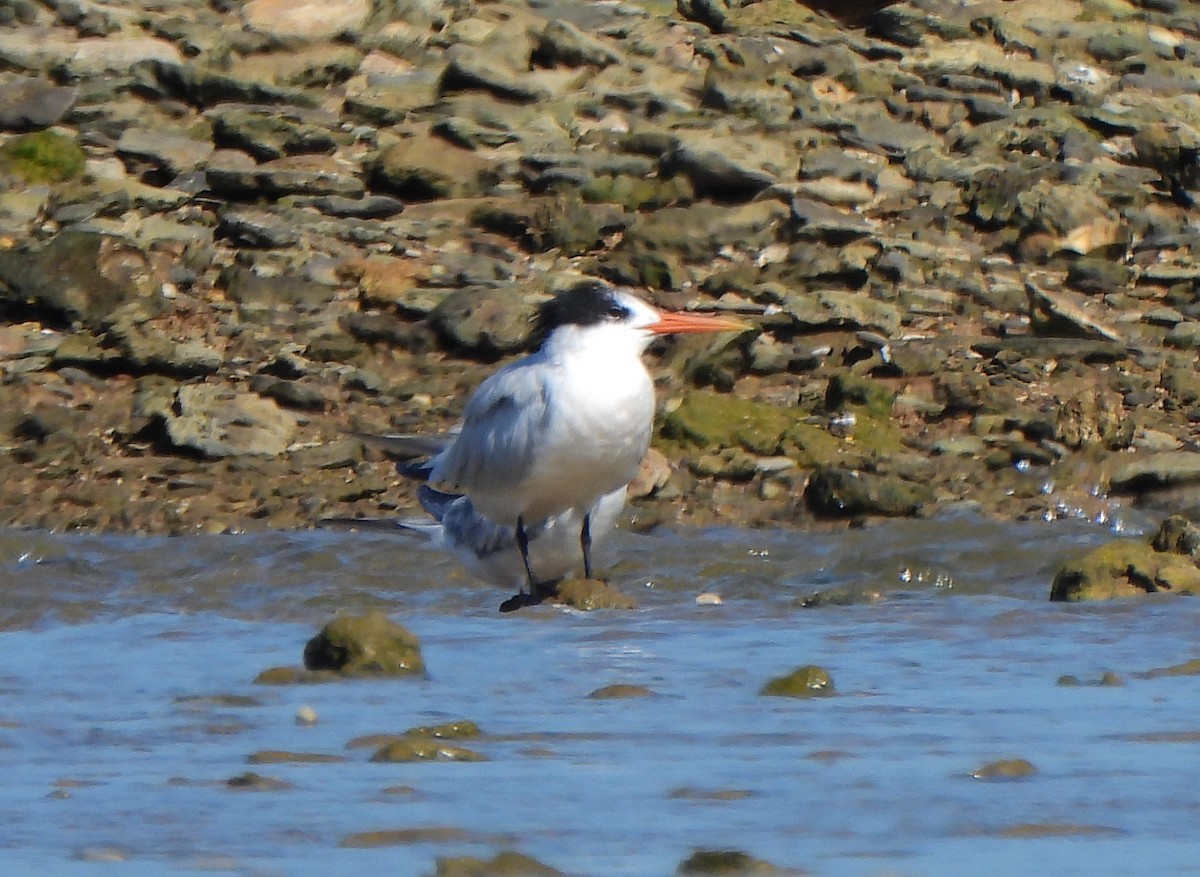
<point>232,234</point>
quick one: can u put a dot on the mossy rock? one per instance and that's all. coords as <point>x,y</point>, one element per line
<point>459,730</point>
<point>713,420</point>
<point>589,594</point>
<point>409,749</point>
<point>1124,568</point>
<point>807,681</point>
<point>42,157</point>
<point>724,862</point>
<point>365,645</point>
<point>848,390</point>
<point>505,863</point>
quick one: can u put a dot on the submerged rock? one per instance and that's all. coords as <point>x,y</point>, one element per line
<point>807,681</point>
<point>1006,769</point>
<point>365,645</point>
<point>424,749</point>
<point>505,863</point>
<point>729,863</point>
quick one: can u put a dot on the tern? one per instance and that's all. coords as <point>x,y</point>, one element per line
<point>548,443</point>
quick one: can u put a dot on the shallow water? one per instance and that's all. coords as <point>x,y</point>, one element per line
<point>127,702</point>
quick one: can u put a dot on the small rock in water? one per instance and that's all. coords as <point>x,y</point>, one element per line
<point>807,681</point>
<point>306,716</point>
<point>1006,769</point>
<point>708,598</point>
<point>726,862</point>
<point>365,645</point>
<point>588,594</point>
<point>505,863</point>
<point>620,691</point>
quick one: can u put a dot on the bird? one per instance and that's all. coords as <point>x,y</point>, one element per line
<point>548,443</point>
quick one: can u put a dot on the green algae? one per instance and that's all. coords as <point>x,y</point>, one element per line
<point>42,157</point>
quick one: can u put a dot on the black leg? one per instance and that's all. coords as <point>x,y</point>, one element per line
<point>523,544</point>
<point>585,541</point>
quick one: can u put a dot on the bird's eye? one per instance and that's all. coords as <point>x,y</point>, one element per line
<point>616,312</point>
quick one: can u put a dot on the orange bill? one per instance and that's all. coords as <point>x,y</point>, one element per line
<point>677,322</point>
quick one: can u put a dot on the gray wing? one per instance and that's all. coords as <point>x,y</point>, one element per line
<point>496,445</point>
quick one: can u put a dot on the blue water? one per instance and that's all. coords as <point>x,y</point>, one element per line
<point>127,663</point>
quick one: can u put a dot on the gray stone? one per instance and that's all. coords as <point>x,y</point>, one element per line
<point>28,104</point>
<point>220,422</point>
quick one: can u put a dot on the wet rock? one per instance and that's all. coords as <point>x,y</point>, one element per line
<point>1006,769</point>
<point>505,863</point>
<point>1157,471</point>
<point>1121,569</point>
<point>421,749</point>
<point>590,594</point>
<point>850,493</point>
<point>807,681</point>
<point>365,645</point>
<point>218,422</point>
<point>280,756</point>
<point>1178,535</point>
<point>620,691</point>
<point>403,836</point>
<point>256,782</point>
<point>724,862</point>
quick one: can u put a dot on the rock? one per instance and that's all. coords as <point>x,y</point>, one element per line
<point>806,681</point>
<point>28,104</point>
<point>312,175</point>
<point>218,422</point>
<point>365,645</point>
<point>727,863</point>
<point>1006,769</point>
<point>485,322</point>
<point>256,782</point>
<point>710,420</point>
<point>590,594</point>
<point>76,275</point>
<point>1178,535</point>
<point>620,691</point>
<point>505,863</point>
<point>562,43</point>
<point>268,136</point>
<point>849,493</point>
<point>171,153</point>
<point>1121,569</point>
<point>427,168</point>
<point>307,19</point>
<point>728,168</point>
<point>414,749</point>
<point>1157,471</point>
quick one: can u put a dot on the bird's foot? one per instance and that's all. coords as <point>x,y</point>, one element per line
<point>539,593</point>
